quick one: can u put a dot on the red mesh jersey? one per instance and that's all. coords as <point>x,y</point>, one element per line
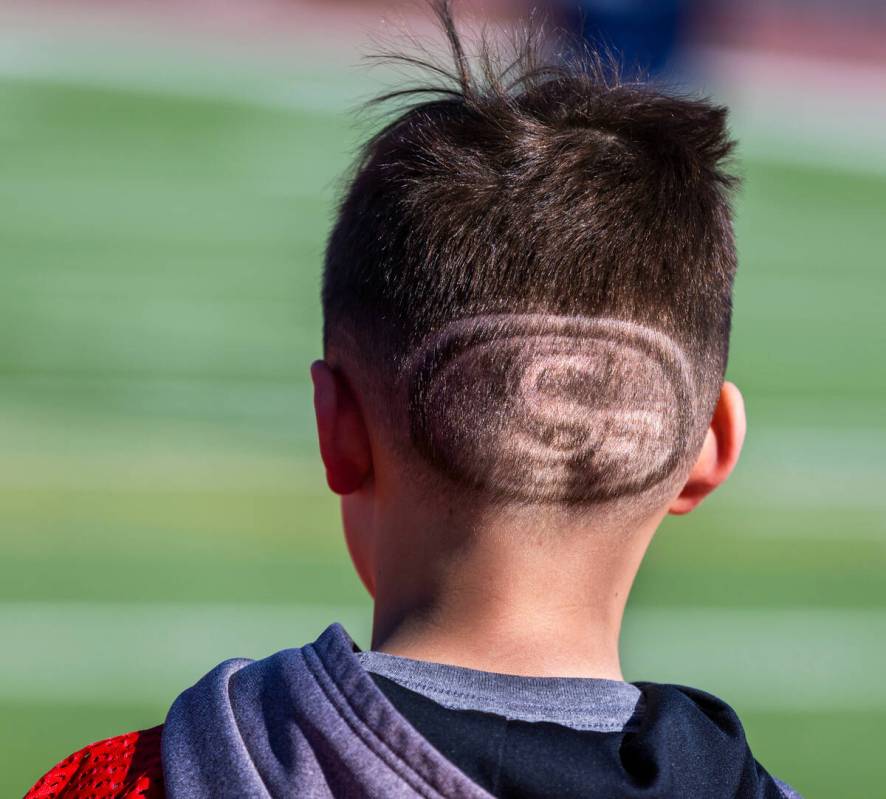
<point>126,767</point>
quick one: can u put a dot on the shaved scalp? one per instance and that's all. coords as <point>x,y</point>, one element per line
<point>531,273</point>
<point>551,408</point>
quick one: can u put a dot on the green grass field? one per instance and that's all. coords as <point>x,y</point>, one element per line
<point>161,503</point>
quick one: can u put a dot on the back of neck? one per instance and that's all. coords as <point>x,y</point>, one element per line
<point>536,602</point>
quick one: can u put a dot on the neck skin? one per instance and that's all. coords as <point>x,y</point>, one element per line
<point>505,594</point>
<point>526,590</point>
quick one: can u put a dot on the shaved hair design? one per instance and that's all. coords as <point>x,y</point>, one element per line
<point>531,271</point>
<point>552,408</point>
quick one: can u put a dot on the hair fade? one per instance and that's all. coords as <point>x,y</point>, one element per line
<point>590,219</point>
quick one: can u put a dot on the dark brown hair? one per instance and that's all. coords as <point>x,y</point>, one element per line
<point>535,263</point>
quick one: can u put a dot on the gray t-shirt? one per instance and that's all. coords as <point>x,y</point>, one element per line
<point>583,704</point>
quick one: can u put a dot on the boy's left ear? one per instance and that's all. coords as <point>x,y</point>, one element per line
<point>341,429</point>
<point>720,451</point>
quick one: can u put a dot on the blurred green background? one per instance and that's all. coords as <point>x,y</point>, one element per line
<point>162,505</point>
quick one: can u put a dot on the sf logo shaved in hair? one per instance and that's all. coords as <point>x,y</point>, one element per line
<point>551,408</point>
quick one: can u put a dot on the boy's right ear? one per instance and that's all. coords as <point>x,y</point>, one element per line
<point>341,429</point>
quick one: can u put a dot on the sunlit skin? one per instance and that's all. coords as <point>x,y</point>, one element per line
<point>528,590</point>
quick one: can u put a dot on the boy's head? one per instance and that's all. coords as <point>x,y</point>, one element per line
<point>527,297</point>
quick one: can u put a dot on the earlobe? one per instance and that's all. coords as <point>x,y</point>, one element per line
<point>720,452</point>
<point>341,431</point>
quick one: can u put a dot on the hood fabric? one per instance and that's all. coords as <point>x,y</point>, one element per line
<point>311,722</point>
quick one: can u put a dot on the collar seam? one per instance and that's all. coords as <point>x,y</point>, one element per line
<point>407,682</point>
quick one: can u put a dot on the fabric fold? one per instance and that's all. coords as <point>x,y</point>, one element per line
<point>311,722</point>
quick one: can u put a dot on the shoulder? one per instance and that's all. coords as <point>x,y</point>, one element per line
<point>125,767</point>
<point>786,790</point>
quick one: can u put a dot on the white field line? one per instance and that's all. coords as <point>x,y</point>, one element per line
<point>803,660</point>
<point>777,100</point>
<point>811,111</point>
<point>293,87</point>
